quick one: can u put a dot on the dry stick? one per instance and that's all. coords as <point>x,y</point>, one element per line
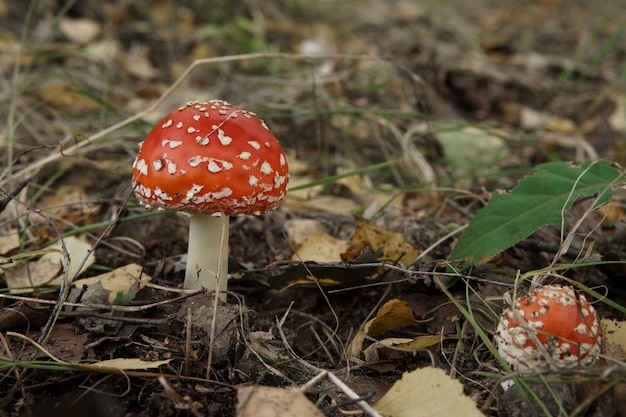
<point>263,361</point>
<point>242,57</point>
<point>128,309</point>
<point>344,388</point>
<point>188,341</point>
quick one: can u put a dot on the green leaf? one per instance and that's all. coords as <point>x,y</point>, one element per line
<point>539,199</point>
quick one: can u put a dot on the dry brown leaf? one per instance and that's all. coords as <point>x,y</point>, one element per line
<point>392,315</point>
<point>393,245</point>
<point>9,242</point>
<point>320,247</point>
<point>261,401</point>
<point>371,354</point>
<point>82,31</point>
<point>615,332</point>
<point>324,204</point>
<point>410,345</point>
<point>21,277</point>
<point>117,285</point>
<point>62,95</point>
<point>47,270</point>
<point>78,250</point>
<point>427,392</point>
<point>298,229</point>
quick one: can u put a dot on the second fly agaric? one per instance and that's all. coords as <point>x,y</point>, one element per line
<point>553,326</point>
<point>210,160</point>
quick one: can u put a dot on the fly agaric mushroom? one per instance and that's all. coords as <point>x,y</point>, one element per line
<point>210,160</point>
<point>563,322</point>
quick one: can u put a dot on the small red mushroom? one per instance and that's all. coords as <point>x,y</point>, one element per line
<point>564,323</point>
<point>210,160</point>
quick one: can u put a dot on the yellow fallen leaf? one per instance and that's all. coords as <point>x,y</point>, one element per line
<point>261,401</point>
<point>615,332</point>
<point>80,30</point>
<point>121,283</point>
<point>78,251</point>
<point>320,247</point>
<point>393,245</point>
<point>426,392</point>
<point>372,352</point>
<point>392,315</point>
<point>410,345</point>
<point>47,270</point>
<point>9,241</point>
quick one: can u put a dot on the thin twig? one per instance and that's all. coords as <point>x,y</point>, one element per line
<point>344,388</point>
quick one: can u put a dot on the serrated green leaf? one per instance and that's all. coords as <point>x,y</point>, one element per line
<point>538,200</point>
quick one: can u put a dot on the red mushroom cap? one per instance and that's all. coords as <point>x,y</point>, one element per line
<point>562,320</point>
<point>211,157</point>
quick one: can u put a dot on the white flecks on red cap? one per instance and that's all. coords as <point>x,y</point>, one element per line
<point>215,162</point>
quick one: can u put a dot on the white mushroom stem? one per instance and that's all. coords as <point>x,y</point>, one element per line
<point>207,254</point>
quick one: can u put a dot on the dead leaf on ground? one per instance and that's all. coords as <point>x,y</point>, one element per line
<point>47,270</point>
<point>368,234</point>
<point>261,401</point>
<point>325,204</point>
<point>80,30</point>
<point>9,241</point>
<point>320,247</point>
<point>63,96</point>
<point>392,315</point>
<point>121,284</point>
<point>372,354</point>
<point>615,333</point>
<point>427,392</point>
<point>298,229</point>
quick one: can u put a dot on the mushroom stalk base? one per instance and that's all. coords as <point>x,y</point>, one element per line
<point>207,254</point>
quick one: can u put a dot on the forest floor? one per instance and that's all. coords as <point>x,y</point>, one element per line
<point>399,119</point>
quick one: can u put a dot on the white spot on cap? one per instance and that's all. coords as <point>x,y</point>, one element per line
<point>213,166</point>
<point>173,144</point>
<point>202,140</point>
<point>224,140</point>
<point>264,125</point>
<point>162,195</point>
<point>254,144</point>
<point>158,164</point>
<point>179,125</point>
<point>196,117</point>
<point>195,189</point>
<point>253,181</point>
<point>142,167</point>
<point>279,180</point>
<point>244,155</point>
<point>209,197</point>
<point>194,161</point>
<point>191,129</point>
<point>171,168</point>
<point>581,328</point>
<point>167,124</point>
<point>217,165</point>
<point>266,168</point>
<point>282,159</point>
